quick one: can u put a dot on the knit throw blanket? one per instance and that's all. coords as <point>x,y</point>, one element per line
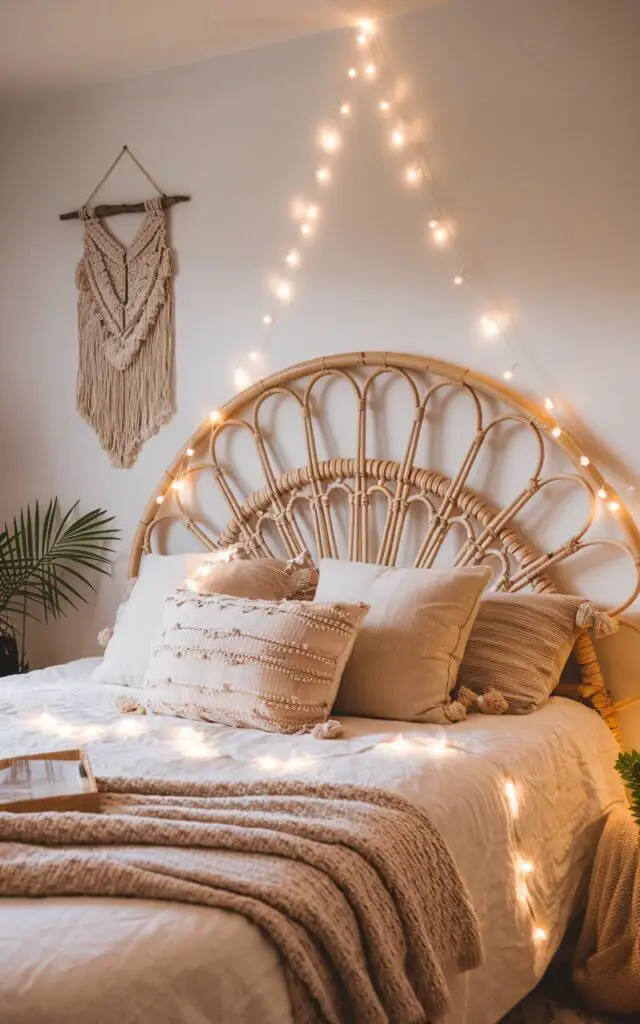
<point>607,961</point>
<point>355,887</point>
<point>125,334</point>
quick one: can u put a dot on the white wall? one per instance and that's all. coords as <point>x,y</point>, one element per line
<point>530,111</point>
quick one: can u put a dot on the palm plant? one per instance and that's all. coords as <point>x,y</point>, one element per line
<point>45,563</point>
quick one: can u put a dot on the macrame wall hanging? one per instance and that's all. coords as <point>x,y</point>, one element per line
<point>125,324</point>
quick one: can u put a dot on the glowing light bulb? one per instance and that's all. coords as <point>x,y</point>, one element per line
<point>525,866</point>
<point>489,326</point>
<point>159,499</point>
<point>47,721</point>
<point>129,727</point>
<point>539,935</point>
<point>384,106</point>
<point>399,743</point>
<point>556,432</point>
<point>190,452</point>
<point>284,291</point>
<point>345,109</point>
<point>293,258</point>
<point>508,374</point>
<point>511,793</point>
<point>215,415</point>
<point>306,229</point>
<point>371,70</point>
<point>362,39</point>
<point>585,460</point>
<point>313,211</point>
<point>440,235</point>
<point>367,26</point>
<point>323,175</point>
<point>602,493</point>
<point>548,404</point>
<point>241,378</point>
<point>614,506</point>
<point>329,140</point>
<point>267,319</point>
<point>352,72</point>
<point>398,138</point>
<point>267,762</point>
<point>176,485</point>
<point>254,355</point>
<point>458,279</point>
<point>413,175</point>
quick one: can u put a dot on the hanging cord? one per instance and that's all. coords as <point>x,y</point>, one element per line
<point>125,149</point>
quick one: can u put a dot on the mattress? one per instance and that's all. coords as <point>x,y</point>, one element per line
<point>79,959</point>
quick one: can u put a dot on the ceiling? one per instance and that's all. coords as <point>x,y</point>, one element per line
<point>70,44</point>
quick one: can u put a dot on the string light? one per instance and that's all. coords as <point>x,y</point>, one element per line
<point>384,106</point>
<point>241,378</point>
<point>367,26</point>
<point>458,279</point>
<point>313,211</point>
<point>489,326</point>
<point>413,175</point>
<point>190,452</point>
<point>323,175</point>
<point>329,140</point>
<point>345,109</point>
<point>306,229</point>
<point>371,70</point>
<point>352,72</point>
<point>362,39</point>
<point>585,460</point>
<point>508,374</point>
<point>525,866</point>
<point>176,485</point>
<point>439,231</point>
<point>602,493</point>
<point>267,319</point>
<point>614,506</point>
<point>556,432</point>
<point>283,290</point>
<point>159,499</point>
<point>293,258</point>
<point>398,138</point>
<point>254,355</point>
<point>511,793</point>
<point>215,415</point>
<point>548,404</point>
<point>539,935</point>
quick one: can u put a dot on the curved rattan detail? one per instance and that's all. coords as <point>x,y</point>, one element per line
<point>490,534</point>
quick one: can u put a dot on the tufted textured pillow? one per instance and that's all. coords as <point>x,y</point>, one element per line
<point>264,664</point>
<point>521,642</point>
<point>406,656</point>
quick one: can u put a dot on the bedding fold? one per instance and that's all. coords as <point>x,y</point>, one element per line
<point>354,886</point>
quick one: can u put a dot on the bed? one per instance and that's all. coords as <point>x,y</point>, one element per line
<point>507,793</point>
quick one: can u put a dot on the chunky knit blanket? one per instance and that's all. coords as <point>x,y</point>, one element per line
<point>354,886</point>
<point>607,961</point>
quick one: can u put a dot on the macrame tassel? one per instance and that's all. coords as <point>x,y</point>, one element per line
<point>455,711</point>
<point>329,730</point>
<point>129,706</point>
<point>491,702</point>
<point>588,617</point>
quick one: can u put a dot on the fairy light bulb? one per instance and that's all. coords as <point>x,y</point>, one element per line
<point>398,138</point>
<point>602,493</point>
<point>370,71</point>
<point>413,175</point>
<point>313,211</point>
<point>284,290</point>
<point>267,319</point>
<point>440,234</point>
<point>511,793</point>
<point>241,378</point>
<point>190,452</point>
<point>556,432</point>
<point>323,175</point>
<point>215,415</point>
<point>254,355</point>
<point>614,506</point>
<point>585,460</point>
<point>458,279</point>
<point>384,106</point>
<point>548,404</point>
<point>176,485</point>
<point>352,72</point>
<point>539,935</point>
<point>525,866</point>
<point>367,27</point>
<point>345,109</point>
<point>489,326</point>
<point>306,229</point>
<point>293,258</point>
<point>159,499</point>
<point>329,140</point>
<point>508,374</point>
<point>362,39</point>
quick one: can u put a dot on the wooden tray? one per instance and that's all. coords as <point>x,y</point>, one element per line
<point>88,801</point>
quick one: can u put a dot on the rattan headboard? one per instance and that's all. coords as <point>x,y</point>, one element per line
<point>269,519</point>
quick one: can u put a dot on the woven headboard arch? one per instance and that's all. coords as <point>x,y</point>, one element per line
<point>272,513</point>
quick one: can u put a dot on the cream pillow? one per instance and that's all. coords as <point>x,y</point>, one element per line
<point>263,664</point>
<point>406,656</point>
<point>520,644</point>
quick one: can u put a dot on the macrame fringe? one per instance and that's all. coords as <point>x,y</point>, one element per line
<point>329,730</point>
<point>491,702</point>
<point>129,706</point>
<point>588,617</point>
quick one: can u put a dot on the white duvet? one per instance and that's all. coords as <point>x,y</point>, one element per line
<point>64,960</point>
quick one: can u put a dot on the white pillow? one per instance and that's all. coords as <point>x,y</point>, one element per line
<point>127,654</point>
<point>405,659</point>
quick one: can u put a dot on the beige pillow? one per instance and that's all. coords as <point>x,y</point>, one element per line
<point>405,659</point>
<point>265,579</point>
<point>272,665</point>
<point>519,645</point>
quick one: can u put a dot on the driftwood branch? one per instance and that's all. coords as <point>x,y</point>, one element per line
<point>110,209</point>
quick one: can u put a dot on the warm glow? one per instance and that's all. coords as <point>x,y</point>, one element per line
<point>130,727</point>
<point>614,506</point>
<point>267,319</point>
<point>215,416</point>
<point>284,290</point>
<point>254,355</point>
<point>522,892</point>
<point>525,866</point>
<point>371,71</point>
<point>345,109</point>
<point>367,26</point>
<point>362,39</point>
<point>352,72</point>
<point>384,106</point>
<point>391,746</point>
<point>190,452</point>
<point>92,732</point>
<point>585,460</point>
<point>458,279</point>
<point>306,229</point>
<point>440,234</point>
<point>602,493</point>
<point>398,138</point>
<point>489,326</point>
<point>176,485</point>
<point>548,404</point>
<point>46,721</point>
<point>241,378</point>
<point>160,499</point>
<point>293,258</point>
<point>511,793</point>
<point>539,935</point>
<point>323,175</point>
<point>191,743</point>
<point>556,432</point>
<point>329,140</point>
<point>413,175</point>
<point>313,211</point>
<point>267,762</point>
<point>508,374</point>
